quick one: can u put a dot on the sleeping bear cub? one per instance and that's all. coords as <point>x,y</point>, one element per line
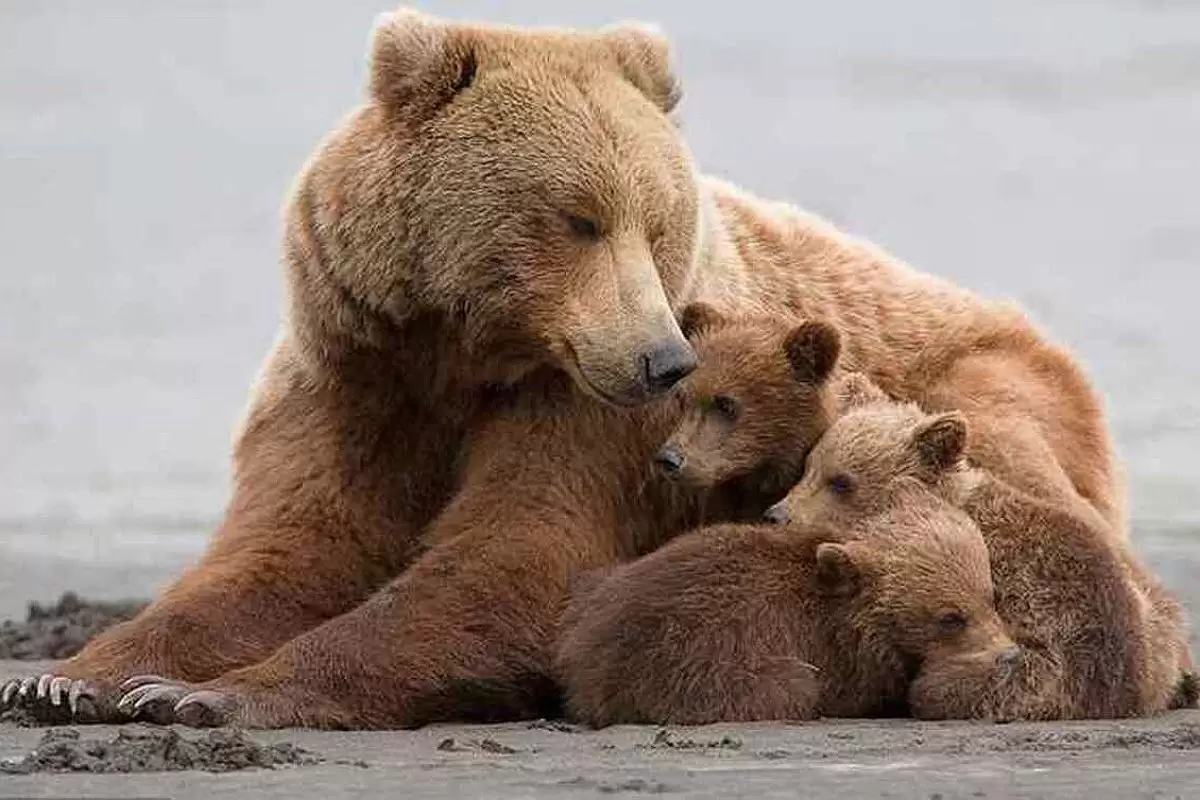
<point>783,621</point>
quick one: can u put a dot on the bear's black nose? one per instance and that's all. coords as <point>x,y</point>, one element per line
<point>670,461</point>
<point>1009,657</point>
<point>777,514</point>
<point>666,365</point>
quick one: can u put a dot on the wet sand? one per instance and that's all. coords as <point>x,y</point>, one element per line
<point>897,759</point>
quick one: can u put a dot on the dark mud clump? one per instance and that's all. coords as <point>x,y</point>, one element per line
<point>631,785</point>
<point>666,740</point>
<point>488,745</point>
<point>555,725</point>
<point>146,749</point>
<point>60,630</point>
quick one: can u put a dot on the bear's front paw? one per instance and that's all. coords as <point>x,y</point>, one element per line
<point>157,699</point>
<point>52,698</point>
<point>210,705</point>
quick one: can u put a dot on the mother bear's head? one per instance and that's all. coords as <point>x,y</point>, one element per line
<point>527,187</point>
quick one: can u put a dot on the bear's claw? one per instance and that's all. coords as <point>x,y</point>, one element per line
<point>173,701</point>
<point>143,691</point>
<point>8,692</point>
<point>205,709</point>
<point>142,680</point>
<point>48,687</point>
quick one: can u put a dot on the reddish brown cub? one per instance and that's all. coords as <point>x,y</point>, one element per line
<point>1098,636</point>
<point>794,621</point>
<point>758,401</point>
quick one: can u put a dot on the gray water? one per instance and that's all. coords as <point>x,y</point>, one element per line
<point>1046,151</point>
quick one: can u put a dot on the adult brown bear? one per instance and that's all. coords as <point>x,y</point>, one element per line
<point>482,264</point>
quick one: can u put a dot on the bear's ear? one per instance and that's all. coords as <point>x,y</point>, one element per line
<point>418,64</point>
<point>940,441</point>
<point>696,318</point>
<point>812,349</point>
<point>855,390</point>
<point>643,53</point>
<point>837,571</point>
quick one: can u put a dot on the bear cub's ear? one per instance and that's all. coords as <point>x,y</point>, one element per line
<point>696,318</point>
<point>418,63</point>
<point>812,349</point>
<point>837,569</point>
<point>643,54</point>
<point>940,442</point>
<point>856,390</point>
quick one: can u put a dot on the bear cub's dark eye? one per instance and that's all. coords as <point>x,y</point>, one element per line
<point>841,485</point>
<point>952,622</point>
<point>727,407</point>
<point>583,227</point>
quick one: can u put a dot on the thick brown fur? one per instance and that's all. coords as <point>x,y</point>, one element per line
<point>793,621</point>
<point>482,263</point>
<point>1099,636</point>
<point>760,398</point>
<point>1097,643</point>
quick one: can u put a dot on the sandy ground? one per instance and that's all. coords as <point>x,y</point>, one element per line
<point>895,759</point>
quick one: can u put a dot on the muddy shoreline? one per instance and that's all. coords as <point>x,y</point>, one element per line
<point>895,759</point>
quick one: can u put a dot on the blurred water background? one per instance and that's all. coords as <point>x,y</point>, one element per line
<point>1046,151</point>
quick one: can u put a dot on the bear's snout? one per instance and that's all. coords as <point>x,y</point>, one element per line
<point>670,461</point>
<point>666,364</point>
<point>777,514</point>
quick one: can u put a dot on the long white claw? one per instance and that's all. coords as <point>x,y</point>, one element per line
<point>129,702</point>
<point>135,700</point>
<point>6,694</point>
<point>27,686</point>
<point>141,680</point>
<point>58,690</point>
<point>78,689</point>
<point>157,693</point>
<point>44,686</point>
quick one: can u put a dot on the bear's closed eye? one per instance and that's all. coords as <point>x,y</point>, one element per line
<point>583,227</point>
<point>841,485</point>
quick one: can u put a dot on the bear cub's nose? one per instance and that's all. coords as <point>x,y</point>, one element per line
<point>1009,656</point>
<point>777,514</point>
<point>666,365</point>
<point>670,461</point>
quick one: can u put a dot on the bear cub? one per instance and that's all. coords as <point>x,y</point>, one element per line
<point>1098,636</point>
<point>758,400</point>
<point>789,621</point>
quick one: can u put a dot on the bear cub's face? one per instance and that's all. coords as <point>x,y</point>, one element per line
<point>928,591</point>
<point>873,443</point>
<point>756,403</point>
<point>879,469</point>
